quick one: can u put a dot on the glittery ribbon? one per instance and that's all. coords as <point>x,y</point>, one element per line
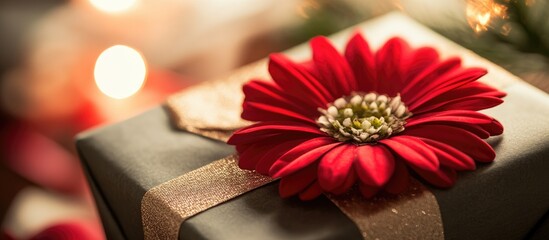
<point>413,214</point>
<point>166,206</point>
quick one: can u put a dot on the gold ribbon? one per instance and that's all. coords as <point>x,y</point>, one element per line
<point>413,214</point>
<point>166,206</point>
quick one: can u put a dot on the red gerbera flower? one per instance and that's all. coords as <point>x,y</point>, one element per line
<point>366,118</point>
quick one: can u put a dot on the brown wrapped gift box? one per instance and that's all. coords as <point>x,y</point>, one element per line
<point>508,199</point>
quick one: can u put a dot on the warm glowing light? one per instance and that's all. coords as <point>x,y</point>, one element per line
<point>120,72</point>
<point>113,6</point>
<point>480,12</point>
<point>483,19</point>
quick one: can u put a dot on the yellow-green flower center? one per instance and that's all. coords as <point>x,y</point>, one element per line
<point>363,118</point>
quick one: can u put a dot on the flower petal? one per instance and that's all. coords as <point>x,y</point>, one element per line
<point>375,165</point>
<point>450,116</point>
<point>333,69</point>
<point>367,191</point>
<point>450,157</point>
<point>419,60</point>
<point>264,130</point>
<point>443,178</point>
<point>335,166</point>
<point>478,130</point>
<point>413,151</point>
<point>312,192</point>
<point>467,92</point>
<point>474,88</point>
<point>433,73</point>
<point>261,155</point>
<point>350,180</point>
<point>270,93</point>
<point>266,161</point>
<point>465,119</point>
<point>248,158</point>
<point>265,112</point>
<point>388,66</point>
<point>274,140</point>
<point>292,78</point>
<point>362,62</point>
<point>297,182</point>
<point>400,179</point>
<point>442,85</point>
<point>494,128</point>
<point>301,156</point>
<point>474,103</point>
<point>458,138</point>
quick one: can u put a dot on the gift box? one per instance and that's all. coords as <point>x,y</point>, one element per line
<point>125,162</point>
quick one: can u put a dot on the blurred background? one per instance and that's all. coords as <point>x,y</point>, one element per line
<point>58,57</point>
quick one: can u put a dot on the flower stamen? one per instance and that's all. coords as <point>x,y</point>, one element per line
<point>363,118</point>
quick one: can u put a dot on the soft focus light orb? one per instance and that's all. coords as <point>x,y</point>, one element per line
<point>113,6</point>
<point>120,71</point>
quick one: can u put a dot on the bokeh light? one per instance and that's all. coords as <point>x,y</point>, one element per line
<point>120,71</point>
<point>113,6</point>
